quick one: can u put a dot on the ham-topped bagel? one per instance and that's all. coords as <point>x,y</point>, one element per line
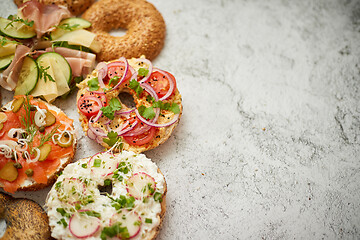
<point>37,140</point>
<point>107,119</point>
<point>108,196</point>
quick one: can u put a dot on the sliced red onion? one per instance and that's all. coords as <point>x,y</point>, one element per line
<point>152,124</point>
<point>123,128</point>
<point>97,131</point>
<point>97,117</point>
<point>171,82</point>
<point>124,75</point>
<point>99,139</point>
<point>124,112</point>
<point>91,134</point>
<point>150,90</point>
<point>102,69</point>
<point>150,68</point>
<point>97,92</point>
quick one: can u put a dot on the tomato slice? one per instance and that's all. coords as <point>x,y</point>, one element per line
<point>88,106</point>
<point>142,138</point>
<point>160,83</point>
<point>118,69</point>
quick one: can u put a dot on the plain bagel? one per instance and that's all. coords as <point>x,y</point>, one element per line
<point>76,7</point>
<point>25,219</point>
<point>144,24</point>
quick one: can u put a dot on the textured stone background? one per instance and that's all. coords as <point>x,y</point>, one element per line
<point>269,143</point>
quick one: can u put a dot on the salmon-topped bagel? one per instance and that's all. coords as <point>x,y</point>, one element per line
<point>25,219</point>
<point>37,140</point>
<point>137,126</point>
<point>108,196</point>
<point>145,27</point>
<point>76,7</point>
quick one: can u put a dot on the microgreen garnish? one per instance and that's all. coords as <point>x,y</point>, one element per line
<point>109,111</point>
<point>67,26</point>
<point>44,74</point>
<point>63,212</point>
<point>93,84</point>
<point>135,85</point>
<point>112,138</point>
<point>15,18</point>
<point>124,167</point>
<point>4,41</point>
<point>143,72</point>
<point>48,136</point>
<point>115,230</point>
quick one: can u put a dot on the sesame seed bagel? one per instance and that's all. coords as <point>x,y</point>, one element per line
<point>76,7</point>
<point>127,121</point>
<point>37,140</point>
<point>120,195</point>
<point>25,219</point>
<point>144,24</point>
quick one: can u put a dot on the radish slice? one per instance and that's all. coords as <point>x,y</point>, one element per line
<point>72,191</point>
<point>129,219</point>
<point>83,226</point>
<point>140,185</point>
<point>103,164</point>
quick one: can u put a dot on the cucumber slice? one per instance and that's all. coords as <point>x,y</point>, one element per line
<point>68,25</point>
<point>6,61</point>
<point>7,47</point>
<point>28,77</point>
<point>62,67</point>
<point>16,30</point>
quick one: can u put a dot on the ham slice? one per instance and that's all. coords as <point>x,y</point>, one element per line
<point>67,52</point>
<point>79,66</point>
<point>45,17</point>
<point>9,78</point>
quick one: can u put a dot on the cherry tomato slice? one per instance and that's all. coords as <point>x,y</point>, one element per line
<point>118,69</point>
<point>142,138</point>
<point>88,106</point>
<point>160,83</point>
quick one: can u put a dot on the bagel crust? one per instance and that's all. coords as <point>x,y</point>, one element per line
<point>25,219</point>
<point>144,24</point>
<point>49,172</point>
<point>117,171</point>
<point>76,7</point>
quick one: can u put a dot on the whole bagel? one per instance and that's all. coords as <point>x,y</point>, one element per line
<point>76,7</point>
<point>144,24</point>
<point>24,218</point>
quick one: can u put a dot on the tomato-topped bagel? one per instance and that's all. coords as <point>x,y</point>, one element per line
<point>149,122</point>
<point>145,27</point>
<point>37,140</point>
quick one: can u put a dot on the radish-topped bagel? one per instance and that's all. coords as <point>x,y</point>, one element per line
<point>108,196</point>
<point>25,219</point>
<point>144,24</point>
<point>106,119</point>
<point>37,140</point>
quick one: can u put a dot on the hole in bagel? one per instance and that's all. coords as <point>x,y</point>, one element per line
<point>127,99</point>
<point>118,32</point>
<point>106,189</point>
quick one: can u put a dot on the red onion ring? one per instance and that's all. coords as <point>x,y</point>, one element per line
<point>150,68</point>
<point>124,112</point>
<point>91,134</point>
<point>152,124</point>
<point>147,87</point>
<point>102,69</point>
<point>171,82</point>
<point>125,72</point>
<point>97,131</point>
<point>123,128</point>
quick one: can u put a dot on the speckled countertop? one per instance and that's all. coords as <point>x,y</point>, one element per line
<point>268,146</point>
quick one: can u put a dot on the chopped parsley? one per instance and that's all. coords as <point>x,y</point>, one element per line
<point>112,138</point>
<point>135,85</point>
<point>93,84</point>
<point>143,72</point>
<point>109,111</point>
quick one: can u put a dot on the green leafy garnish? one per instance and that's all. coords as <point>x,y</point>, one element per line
<point>112,138</point>
<point>114,80</point>
<point>122,202</point>
<point>67,45</point>
<point>4,41</point>
<point>135,85</point>
<point>93,84</point>
<point>47,137</point>
<point>15,18</point>
<point>115,230</point>
<point>148,220</point>
<point>63,212</point>
<point>68,27</point>
<point>158,197</point>
<point>97,162</point>
<point>147,113</point>
<point>107,182</point>
<point>109,111</point>
<point>91,213</point>
<point>44,74</point>
<point>143,72</point>
<point>63,222</point>
<point>84,165</point>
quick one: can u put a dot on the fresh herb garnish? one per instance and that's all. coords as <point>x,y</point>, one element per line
<point>15,18</point>
<point>47,137</point>
<point>93,84</point>
<point>122,202</point>
<point>63,222</point>
<point>97,162</point>
<point>147,113</point>
<point>115,230</point>
<point>143,72</point>
<point>107,182</point>
<point>67,26</point>
<point>91,213</point>
<point>148,220</point>
<point>4,41</point>
<point>109,111</point>
<point>84,165</point>
<point>112,138</point>
<point>135,85</point>
<point>63,212</point>
<point>158,197</point>
<point>114,80</point>
<point>44,74</point>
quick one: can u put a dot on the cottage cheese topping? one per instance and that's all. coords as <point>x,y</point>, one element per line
<point>96,192</point>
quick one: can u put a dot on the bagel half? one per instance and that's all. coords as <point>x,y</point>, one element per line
<point>25,219</point>
<point>141,211</point>
<point>32,171</point>
<point>145,27</point>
